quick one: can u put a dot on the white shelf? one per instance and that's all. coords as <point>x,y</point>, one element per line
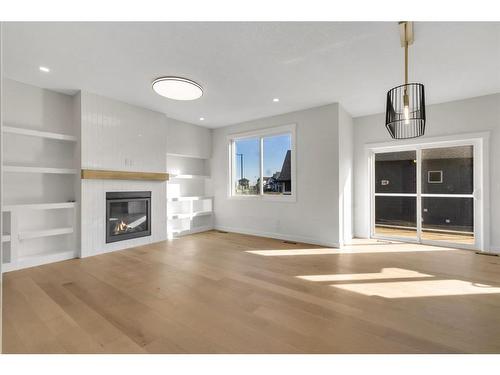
<point>187,176</point>
<point>6,238</point>
<point>178,216</point>
<point>202,213</point>
<point>23,169</point>
<point>44,233</point>
<point>38,133</point>
<point>39,206</point>
<point>182,199</point>
<point>189,215</point>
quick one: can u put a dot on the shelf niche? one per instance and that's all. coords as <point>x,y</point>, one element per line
<point>189,207</point>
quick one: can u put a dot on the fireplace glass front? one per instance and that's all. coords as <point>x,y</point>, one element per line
<point>128,215</point>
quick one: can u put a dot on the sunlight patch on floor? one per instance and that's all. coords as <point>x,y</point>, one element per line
<point>421,288</point>
<point>387,273</point>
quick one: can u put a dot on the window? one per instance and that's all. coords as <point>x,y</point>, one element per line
<point>247,154</point>
<point>277,164</point>
<point>262,164</point>
<point>435,177</point>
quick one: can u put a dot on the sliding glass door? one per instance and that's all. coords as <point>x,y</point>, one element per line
<point>447,194</point>
<point>396,194</point>
<point>426,194</point>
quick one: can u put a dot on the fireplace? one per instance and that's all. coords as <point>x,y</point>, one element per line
<point>128,215</point>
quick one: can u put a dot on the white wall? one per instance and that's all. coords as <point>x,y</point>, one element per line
<point>188,139</point>
<point>36,108</point>
<point>465,116</point>
<point>314,217</point>
<point>120,136</point>
<point>346,165</point>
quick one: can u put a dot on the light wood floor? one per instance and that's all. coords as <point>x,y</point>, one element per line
<point>229,293</point>
<point>451,237</point>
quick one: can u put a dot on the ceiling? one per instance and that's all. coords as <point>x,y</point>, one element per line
<point>243,66</point>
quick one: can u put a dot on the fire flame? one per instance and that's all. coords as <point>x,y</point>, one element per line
<point>121,227</point>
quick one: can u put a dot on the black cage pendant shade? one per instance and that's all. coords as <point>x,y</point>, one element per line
<point>405,108</point>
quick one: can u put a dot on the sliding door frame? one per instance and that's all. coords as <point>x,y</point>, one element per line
<point>480,143</point>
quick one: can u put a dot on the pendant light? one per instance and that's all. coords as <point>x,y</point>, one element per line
<point>405,109</point>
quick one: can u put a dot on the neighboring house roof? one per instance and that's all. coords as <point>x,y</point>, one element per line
<point>286,169</point>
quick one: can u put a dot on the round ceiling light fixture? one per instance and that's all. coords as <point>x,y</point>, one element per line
<point>177,88</point>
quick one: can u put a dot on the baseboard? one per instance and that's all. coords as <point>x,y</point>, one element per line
<point>204,228</point>
<point>278,236</point>
<point>494,249</point>
<point>38,260</point>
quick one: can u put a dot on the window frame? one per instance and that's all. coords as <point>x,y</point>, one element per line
<point>261,134</point>
<point>429,181</point>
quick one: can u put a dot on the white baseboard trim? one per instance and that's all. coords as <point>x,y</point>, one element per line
<point>278,236</point>
<point>205,228</point>
<point>120,245</point>
<point>38,260</point>
<point>494,249</point>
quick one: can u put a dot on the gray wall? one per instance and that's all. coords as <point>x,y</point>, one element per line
<point>478,114</point>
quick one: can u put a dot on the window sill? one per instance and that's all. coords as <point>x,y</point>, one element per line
<point>264,198</point>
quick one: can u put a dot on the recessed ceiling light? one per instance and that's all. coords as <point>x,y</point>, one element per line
<point>44,69</point>
<point>177,88</point>
<point>202,118</point>
<point>276,100</point>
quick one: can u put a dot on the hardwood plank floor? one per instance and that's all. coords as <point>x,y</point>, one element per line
<point>451,237</point>
<point>229,293</point>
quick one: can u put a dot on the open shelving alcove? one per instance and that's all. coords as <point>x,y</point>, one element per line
<point>40,192</point>
<point>189,207</point>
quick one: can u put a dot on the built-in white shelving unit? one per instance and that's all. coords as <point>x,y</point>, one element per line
<point>40,178</point>
<point>185,199</point>
<point>189,215</point>
<point>38,133</point>
<point>189,207</point>
<point>28,169</point>
<point>39,206</point>
<point>44,233</point>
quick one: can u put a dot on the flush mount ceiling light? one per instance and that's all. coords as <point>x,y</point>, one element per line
<point>177,88</point>
<point>405,109</point>
<point>44,69</point>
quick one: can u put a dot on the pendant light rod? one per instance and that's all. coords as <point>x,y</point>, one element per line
<point>406,36</point>
<point>406,63</point>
